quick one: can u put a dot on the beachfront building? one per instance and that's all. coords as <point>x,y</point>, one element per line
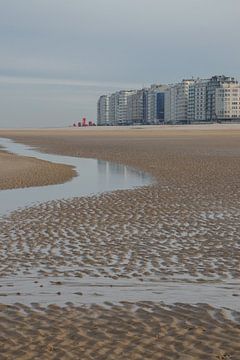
<point>146,106</point>
<point>122,106</point>
<point>214,99</point>
<point>200,100</point>
<point>112,109</point>
<point>118,105</point>
<point>155,104</point>
<point>176,102</point>
<point>222,93</point>
<point>197,101</point>
<point>227,102</point>
<point>103,110</point>
<point>137,107</point>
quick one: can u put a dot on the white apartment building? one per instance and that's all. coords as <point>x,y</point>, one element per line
<point>170,105</point>
<point>103,110</point>
<point>176,102</point>
<point>213,99</point>
<point>112,109</point>
<point>136,107</point>
<point>121,98</point>
<point>197,100</point>
<point>201,100</point>
<point>215,83</point>
<point>227,101</point>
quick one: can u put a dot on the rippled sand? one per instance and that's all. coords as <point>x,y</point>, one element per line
<point>125,331</point>
<point>184,227</point>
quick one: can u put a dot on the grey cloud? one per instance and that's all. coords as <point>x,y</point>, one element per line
<point>109,43</point>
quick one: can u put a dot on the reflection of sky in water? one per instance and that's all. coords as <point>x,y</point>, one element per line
<point>94,176</point>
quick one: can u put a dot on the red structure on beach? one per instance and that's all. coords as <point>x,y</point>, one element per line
<point>84,123</point>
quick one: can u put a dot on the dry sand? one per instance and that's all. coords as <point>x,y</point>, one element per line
<point>19,172</point>
<point>185,225</point>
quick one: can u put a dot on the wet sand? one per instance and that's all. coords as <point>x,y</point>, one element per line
<point>117,332</point>
<point>184,227</point>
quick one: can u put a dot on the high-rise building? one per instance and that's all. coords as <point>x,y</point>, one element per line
<point>227,101</point>
<point>121,98</point>
<point>112,109</point>
<point>137,107</point>
<point>103,110</point>
<point>176,102</point>
<point>200,100</point>
<point>215,83</point>
<point>118,107</point>
<point>197,100</point>
<point>155,103</point>
<point>214,99</point>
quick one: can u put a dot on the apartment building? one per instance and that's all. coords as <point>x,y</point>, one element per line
<point>103,110</point>
<point>118,107</point>
<point>200,100</point>
<point>155,103</point>
<point>112,109</point>
<point>227,101</point>
<point>220,85</point>
<point>144,106</point>
<point>122,105</point>
<point>213,99</point>
<point>176,102</point>
<point>197,101</point>
<point>136,107</point>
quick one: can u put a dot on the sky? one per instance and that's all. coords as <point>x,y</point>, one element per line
<point>58,56</point>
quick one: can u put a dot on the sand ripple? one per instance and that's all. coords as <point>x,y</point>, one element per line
<point>124,234</point>
<point>135,331</point>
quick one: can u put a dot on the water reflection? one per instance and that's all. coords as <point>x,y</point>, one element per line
<point>94,177</point>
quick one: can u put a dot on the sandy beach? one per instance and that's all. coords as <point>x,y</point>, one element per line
<point>184,228</point>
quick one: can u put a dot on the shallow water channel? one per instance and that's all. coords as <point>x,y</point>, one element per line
<point>93,177</point>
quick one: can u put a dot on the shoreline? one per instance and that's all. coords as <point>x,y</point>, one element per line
<point>205,126</point>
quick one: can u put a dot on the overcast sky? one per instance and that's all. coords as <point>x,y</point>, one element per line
<point>58,56</point>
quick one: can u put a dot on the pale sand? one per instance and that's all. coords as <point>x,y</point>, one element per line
<point>187,224</point>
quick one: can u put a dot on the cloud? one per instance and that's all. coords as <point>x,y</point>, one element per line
<point>14,80</point>
<point>60,49</point>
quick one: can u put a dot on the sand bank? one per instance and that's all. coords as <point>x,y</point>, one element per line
<point>19,172</point>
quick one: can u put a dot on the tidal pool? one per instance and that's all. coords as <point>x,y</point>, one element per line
<point>93,177</point>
